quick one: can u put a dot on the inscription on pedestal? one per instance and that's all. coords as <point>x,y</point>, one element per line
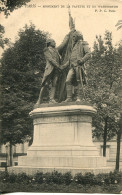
<point>63,119</point>
<point>54,134</point>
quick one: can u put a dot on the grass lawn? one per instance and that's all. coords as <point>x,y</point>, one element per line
<point>55,188</point>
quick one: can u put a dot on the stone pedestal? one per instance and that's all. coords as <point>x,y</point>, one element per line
<point>62,141</point>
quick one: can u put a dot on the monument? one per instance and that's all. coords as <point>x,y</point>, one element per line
<point>62,138</point>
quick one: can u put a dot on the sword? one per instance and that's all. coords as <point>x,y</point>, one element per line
<point>79,72</point>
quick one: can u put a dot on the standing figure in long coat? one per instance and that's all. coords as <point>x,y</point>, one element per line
<point>52,69</point>
<point>76,75</point>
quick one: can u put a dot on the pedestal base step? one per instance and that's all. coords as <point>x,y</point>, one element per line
<point>74,171</point>
<point>64,150</point>
<point>66,162</point>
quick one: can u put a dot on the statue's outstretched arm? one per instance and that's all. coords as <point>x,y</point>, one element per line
<point>65,65</point>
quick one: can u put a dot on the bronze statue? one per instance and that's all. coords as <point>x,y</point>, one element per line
<point>65,66</point>
<point>77,52</point>
<point>51,71</point>
<point>76,76</point>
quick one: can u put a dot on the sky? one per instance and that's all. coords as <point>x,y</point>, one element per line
<point>91,18</point>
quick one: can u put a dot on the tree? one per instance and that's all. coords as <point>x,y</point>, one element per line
<point>3,40</point>
<point>119,133</point>
<point>104,73</point>
<point>119,24</point>
<point>8,6</point>
<point>22,69</point>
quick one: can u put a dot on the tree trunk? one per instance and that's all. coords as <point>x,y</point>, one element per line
<point>11,155</point>
<point>0,105</point>
<point>119,133</point>
<point>105,137</point>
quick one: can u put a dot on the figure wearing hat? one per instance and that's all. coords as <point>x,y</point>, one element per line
<point>76,75</point>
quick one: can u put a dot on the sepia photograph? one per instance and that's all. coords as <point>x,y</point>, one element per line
<point>61,96</point>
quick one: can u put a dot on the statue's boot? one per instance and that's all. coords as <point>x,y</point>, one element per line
<point>69,93</point>
<point>52,94</point>
<point>39,98</point>
<point>78,97</point>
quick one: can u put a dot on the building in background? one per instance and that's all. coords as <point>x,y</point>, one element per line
<point>18,150</point>
<point>111,148</point>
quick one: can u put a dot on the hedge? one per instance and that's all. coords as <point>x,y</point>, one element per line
<point>59,178</point>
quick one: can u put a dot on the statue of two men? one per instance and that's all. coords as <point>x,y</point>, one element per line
<point>67,63</point>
